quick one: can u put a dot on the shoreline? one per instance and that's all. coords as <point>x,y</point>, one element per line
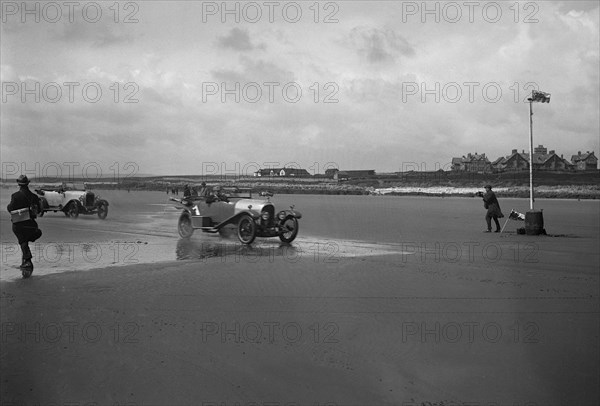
<point>588,192</point>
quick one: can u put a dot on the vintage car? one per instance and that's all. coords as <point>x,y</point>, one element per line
<point>251,217</point>
<point>71,201</point>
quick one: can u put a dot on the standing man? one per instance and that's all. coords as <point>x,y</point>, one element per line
<point>23,208</point>
<point>490,202</point>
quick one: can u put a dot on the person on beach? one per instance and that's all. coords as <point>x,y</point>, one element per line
<point>490,202</point>
<point>23,208</point>
<point>203,190</point>
<point>186,191</point>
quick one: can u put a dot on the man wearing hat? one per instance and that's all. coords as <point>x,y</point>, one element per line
<point>203,190</point>
<point>490,202</point>
<point>187,191</point>
<point>23,208</point>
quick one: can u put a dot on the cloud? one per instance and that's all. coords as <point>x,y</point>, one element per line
<point>577,6</point>
<point>378,45</point>
<point>237,39</point>
<point>98,35</point>
<point>251,70</point>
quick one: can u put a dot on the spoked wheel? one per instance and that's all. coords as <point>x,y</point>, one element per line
<point>289,229</point>
<point>72,210</point>
<point>102,211</point>
<point>246,229</point>
<point>184,225</point>
<point>43,204</point>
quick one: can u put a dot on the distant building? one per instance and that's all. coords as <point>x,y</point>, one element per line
<point>472,163</point>
<point>550,162</point>
<point>583,162</point>
<point>542,160</point>
<point>283,172</point>
<point>516,161</point>
<point>349,174</point>
<point>540,149</point>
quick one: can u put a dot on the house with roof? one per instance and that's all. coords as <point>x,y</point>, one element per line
<point>472,163</point>
<point>584,162</point>
<point>550,162</point>
<point>516,161</point>
<point>542,160</point>
<point>283,172</point>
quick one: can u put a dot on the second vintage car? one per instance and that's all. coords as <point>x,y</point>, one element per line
<point>251,217</point>
<point>71,201</point>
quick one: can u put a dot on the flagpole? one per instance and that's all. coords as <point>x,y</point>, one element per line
<point>531,151</point>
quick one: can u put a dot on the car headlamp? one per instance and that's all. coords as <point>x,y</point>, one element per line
<point>264,215</point>
<point>281,215</point>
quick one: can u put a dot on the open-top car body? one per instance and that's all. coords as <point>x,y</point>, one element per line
<point>71,201</point>
<point>251,217</point>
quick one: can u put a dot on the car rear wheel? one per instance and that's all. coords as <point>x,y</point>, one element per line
<point>102,211</point>
<point>246,229</point>
<point>72,210</point>
<point>42,206</point>
<point>184,225</point>
<point>289,229</point>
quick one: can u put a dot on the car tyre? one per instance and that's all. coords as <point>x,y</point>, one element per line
<point>184,225</point>
<point>289,229</point>
<point>246,229</point>
<point>72,210</point>
<point>102,211</point>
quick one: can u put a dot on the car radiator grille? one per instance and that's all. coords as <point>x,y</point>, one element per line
<point>89,199</point>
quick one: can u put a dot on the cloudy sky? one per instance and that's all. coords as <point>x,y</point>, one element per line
<point>187,89</point>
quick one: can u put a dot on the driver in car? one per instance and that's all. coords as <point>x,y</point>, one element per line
<point>217,195</point>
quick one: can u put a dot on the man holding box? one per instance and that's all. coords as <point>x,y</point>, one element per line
<point>23,209</point>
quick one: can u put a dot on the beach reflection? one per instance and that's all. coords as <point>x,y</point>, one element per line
<point>201,250</point>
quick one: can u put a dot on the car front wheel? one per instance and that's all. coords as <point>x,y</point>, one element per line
<point>184,225</point>
<point>102,211</point>
<point>246,229</point>
<point>289,229</point>
<point>72,210</point>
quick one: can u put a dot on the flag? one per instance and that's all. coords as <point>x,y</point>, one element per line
<point>540,97</point>
<point>515,215</point>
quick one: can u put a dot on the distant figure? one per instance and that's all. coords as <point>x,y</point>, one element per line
<point>490,202</point>
<point>203,190</point>
<point>194,191</point>
<point>186,191</point>
<point>23,208</point>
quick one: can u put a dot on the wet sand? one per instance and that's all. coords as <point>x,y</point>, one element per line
<point>424,311</point>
